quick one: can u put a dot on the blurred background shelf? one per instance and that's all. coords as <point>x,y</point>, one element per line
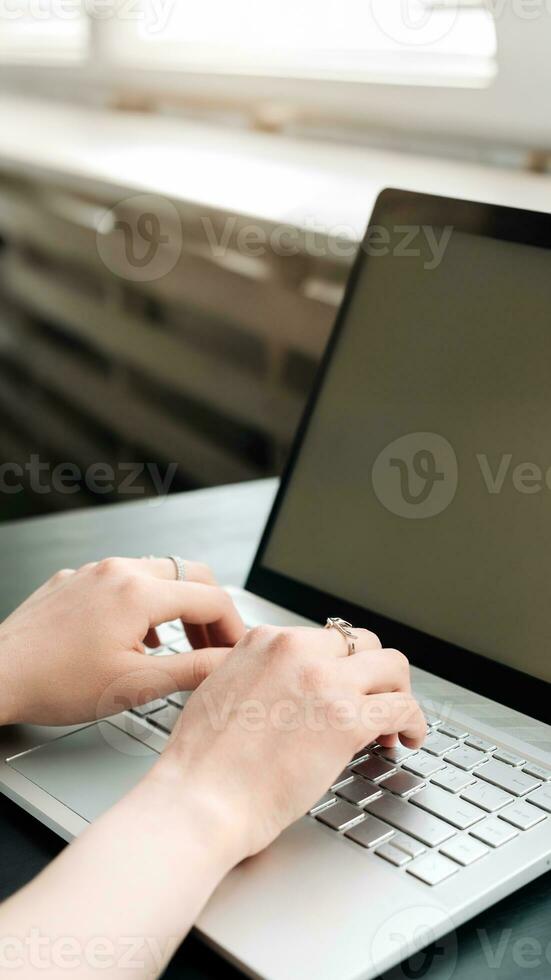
<point>202,370</point>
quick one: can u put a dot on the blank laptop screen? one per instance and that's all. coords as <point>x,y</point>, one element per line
<point>422,489</point>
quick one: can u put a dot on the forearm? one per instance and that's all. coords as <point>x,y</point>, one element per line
<point>123,896</point>
<point>9,679</point>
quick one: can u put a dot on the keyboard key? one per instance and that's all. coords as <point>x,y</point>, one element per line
<point>340,815</point>
<point>370,832</point>
<point>452,779</point>
<point>542,797</point>
<point>482,744</point>
<point>494,832</point>
<point>522,815</point>
<point>179,644</point>
<point>408,844</point>
<point>438,744</point>
<point>404,816</point>
<point>176,625</point>
<point>453,731</point>
<point>423,764</point>
<point>166,718</point>
<point>509,758</point>
<point>395,754</point>
<point>363,753</point>
<point>179,698</point>
<point>146,709</point>
<point>374,768</point>
<point>393,854</point>
<point>538,772</point>
<point>489,797</point>
<point>346,776</point>
<point>464,850</point>
<point>512,780</point>
<point>326,800</point>
<point>163,652</point>
<point>465,757</point>
<point>360,791</point>
<point>166,632</point>
<point>432,720</point>
<point>432,868</point>
<point>450,808</point>
<point>403,783</point>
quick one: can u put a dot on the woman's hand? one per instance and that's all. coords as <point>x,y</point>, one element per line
<point>265,736</point>
<point>74,651</point>
<point>257,744</point>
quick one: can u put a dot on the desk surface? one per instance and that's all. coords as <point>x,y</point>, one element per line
<point>222,527</point>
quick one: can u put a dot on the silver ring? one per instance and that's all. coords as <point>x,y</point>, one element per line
<point>180,567</point>
<point>345,629</point>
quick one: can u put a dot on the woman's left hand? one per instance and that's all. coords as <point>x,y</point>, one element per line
<point>75,650</point>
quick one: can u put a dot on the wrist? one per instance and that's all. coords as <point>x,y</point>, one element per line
<point>189,802</point>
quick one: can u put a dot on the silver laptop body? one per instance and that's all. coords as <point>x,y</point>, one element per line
<point>396,500</point>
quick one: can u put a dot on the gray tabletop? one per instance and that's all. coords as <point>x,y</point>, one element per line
<point>222,526</point>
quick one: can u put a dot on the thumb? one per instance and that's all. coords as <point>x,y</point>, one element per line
<point>140,679</point>
<point>186,671</point>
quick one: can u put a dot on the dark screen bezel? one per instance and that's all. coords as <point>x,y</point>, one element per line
<point>478,673</point>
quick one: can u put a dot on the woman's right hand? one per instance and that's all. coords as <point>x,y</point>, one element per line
<point>266,734</point>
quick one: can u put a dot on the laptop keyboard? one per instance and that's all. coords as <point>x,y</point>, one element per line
<point>431,811</point>
<point>436,810</point>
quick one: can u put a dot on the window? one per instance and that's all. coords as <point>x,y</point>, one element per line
<point>367,40</point>
<point>43,31</point>
<point>427,41</point>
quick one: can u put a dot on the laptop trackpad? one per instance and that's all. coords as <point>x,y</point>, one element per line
<point>88,770</point>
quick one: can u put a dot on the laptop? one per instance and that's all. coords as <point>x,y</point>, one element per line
<point>417,502</point>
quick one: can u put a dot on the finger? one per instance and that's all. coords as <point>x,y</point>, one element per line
<point>139,680</point>
<point>164,568</point>
<point>199,636</point>
<point>211,635</point>
<point>188,670</point>
<point>387,741</point>
<point>378,671</point>
<point>393,714</point>
<point>180,672</point>
<point>226,631</point>
<point>194,603</point>
<point>332,643</point>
